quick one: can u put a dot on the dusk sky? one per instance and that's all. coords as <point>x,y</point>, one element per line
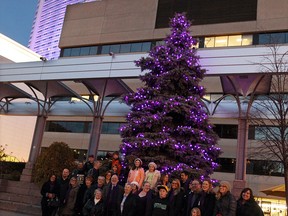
<point>16,18</point>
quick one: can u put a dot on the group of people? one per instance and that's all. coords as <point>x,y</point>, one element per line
<point>87,192</point>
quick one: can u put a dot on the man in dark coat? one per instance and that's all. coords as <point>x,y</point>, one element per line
<point>88,164</point>
<point>112,196</point>
<point>128,204</point>
<point>193,196</point>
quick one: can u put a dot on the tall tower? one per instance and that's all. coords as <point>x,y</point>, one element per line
<point>47,26</point>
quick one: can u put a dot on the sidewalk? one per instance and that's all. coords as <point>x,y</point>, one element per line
<point>9,213</point>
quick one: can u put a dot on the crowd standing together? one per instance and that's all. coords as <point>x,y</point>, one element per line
<point>86,192</point>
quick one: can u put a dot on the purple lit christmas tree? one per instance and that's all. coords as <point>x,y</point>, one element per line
<point>167,123</point>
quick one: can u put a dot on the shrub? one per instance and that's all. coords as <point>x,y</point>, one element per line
<point>52,161</point>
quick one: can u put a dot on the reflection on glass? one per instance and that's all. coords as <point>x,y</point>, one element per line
<point>209,42</point>
<point>234,40</point>
<point>221,41</point>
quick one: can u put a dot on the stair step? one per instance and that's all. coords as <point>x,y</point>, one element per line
<point>32,210</point>
<point>25,199</point>
<point>21,190</point>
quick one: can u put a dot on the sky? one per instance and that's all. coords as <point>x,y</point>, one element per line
<point>16,18</point>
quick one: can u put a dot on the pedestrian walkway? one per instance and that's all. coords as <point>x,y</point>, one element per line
<point>9,213</point>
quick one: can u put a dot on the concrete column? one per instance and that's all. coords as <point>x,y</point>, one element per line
<point>35,148</point>
<point>241,156</point>
<point>95,136</point>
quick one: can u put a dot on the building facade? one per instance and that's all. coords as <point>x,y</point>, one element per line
<point>47,26</point>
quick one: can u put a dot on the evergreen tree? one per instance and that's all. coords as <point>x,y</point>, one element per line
<point>53,160</point>
<point>167,123</point>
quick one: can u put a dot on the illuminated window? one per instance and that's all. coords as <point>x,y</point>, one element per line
<point>209,42</point>
<point>234,40</point>
<point>247,40</point>
<point>221,41</point>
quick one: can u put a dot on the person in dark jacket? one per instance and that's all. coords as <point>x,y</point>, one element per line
<point>225,201</point>
<point>192,198</point>
<point>207,199</point>
<point>144,200</point>
<point>49,191</point>
<point>85,193</point>
<point>94,206</point>
<point>95,171</point>
<point>112,196</point>
<point>246,205</point>
<point>88,164</point>
<point>176,198</point>
<point>63,182</point>
<point>128,204</point>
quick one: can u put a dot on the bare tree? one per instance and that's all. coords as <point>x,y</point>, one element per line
<point>268,113</point>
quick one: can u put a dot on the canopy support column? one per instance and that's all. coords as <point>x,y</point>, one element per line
<point>241,156</point>
<point>35,148</point>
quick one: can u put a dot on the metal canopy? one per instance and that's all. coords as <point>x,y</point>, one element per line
<point>107,87</point>
<point>246,84</point>
<point>8,90</point>
<point>52,89</point>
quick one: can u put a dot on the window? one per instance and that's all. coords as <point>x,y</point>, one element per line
<point>125,48</point>
<point>253,167</point>
<point>67,52</point>
<point>146,46</point>
<point>67,126</point>
<point>111,127</point>
<point>247,40</point>
<point>115,48</point>
<point>105,49</point>
<point>84,51</point>
<point>93,50</point>
<point>209,42</point>
<point>136,47</point>
<point>226,131</point>
<point>234,40</point>
<point>221,41</point>
<point>81,127</point>
<point>75,52</point>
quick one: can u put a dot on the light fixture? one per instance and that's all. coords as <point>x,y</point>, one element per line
<point>43,58</point>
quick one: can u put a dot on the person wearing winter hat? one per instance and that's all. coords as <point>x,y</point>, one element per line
<point>136,173</point>
<point>226,202</point>
<point>152,175</point>
<point>135,187</point>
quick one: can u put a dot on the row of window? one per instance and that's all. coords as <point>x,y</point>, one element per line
<point>81,127</point>
<point>225,131</point>
<point>203,42</point>
<point>254,167</point>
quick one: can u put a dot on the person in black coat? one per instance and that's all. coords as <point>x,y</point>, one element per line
<point>192,198</point>
<point>95,171</point>
<point>85,193</point>
<point>112,196</point>
<point>144,200</point>
<point>50,190</point>
<point>94,206</point>
<point>88,164</point>
<point>207,199</point>
<point>225,201</point>
<point>246,205</point>
<point>176,198</point>
<point>128,204</point>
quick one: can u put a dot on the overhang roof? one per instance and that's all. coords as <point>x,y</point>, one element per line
<point>229,71</point>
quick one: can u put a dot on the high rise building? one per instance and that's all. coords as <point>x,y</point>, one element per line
<point>47,26</point>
